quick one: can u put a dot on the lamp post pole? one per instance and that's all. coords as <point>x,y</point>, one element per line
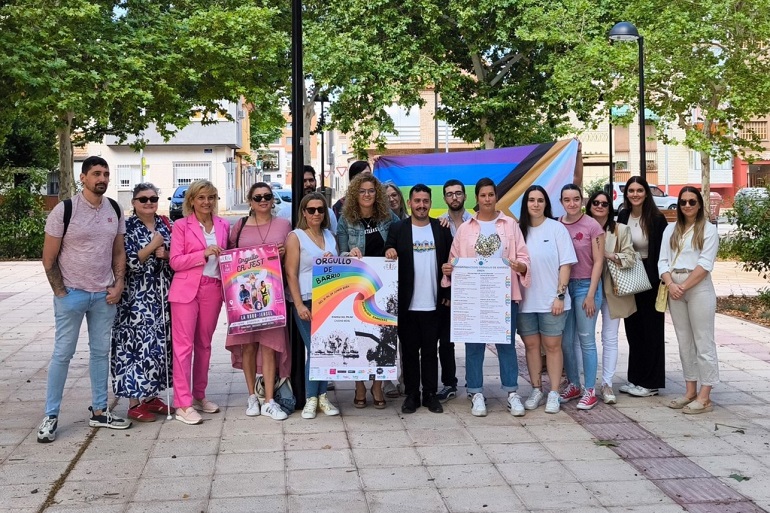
<point>642,133</point>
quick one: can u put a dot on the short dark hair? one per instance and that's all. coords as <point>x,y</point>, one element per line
<point>420,187</point>
<point>308,169</point>
<point>451,182</point>
<point>485,182</point>
<point>357,167</point>
<point>91,162</point>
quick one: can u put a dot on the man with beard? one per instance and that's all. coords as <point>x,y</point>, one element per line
<point>309,185</point>
<point>86,271</point>
<point>421,246</point>
<point>454,196</point>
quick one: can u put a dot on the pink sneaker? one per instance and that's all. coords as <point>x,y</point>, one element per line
<point>569,393</point>
<point>588,400</point>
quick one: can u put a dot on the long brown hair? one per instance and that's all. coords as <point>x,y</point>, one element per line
<point>380,210</point>
<point>680,227</point>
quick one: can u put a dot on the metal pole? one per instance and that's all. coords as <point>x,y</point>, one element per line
<point>435,119</point>
<point>642,135</point>
<point>611,191</point>
<point>323,136</point>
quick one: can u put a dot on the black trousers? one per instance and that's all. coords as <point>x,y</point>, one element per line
<point>646,342</point>
<point>418,333</point>
<point>446,349</point>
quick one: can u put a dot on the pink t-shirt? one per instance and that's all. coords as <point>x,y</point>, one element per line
<point>85,259</point>
<point>583,233</point>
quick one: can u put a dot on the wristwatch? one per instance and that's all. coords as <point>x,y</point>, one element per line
<point>560,296</point>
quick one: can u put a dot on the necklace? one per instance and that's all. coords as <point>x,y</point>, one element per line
<point>260,231</point>
<point>635,220</point>
<point>367,222</point>
<point>314,239</point>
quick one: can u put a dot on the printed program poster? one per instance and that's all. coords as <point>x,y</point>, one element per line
<point>481,301</point>
<point>253,287</point>
<point>354,328</point>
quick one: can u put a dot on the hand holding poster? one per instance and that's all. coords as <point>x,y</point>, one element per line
<point>481,301</point>
<point>253,288</point>
<point>354,327</point>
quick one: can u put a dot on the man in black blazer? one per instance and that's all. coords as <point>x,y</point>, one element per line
<point>421,246</point>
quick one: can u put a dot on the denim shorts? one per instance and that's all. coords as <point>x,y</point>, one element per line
<point>544,323</point>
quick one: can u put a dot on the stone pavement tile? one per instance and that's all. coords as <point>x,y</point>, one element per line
<point>177,506</point>
<point>31,473</point>
<point>243,425</point>
<point>331,502</point>
<point>379,439</point>
<point>458,455</point>
<point>757,488</point>
<point>117,446</point>
<point>18,496</point>
<point>681,426</point>
<point>108,491</point>
<point>744,464</point>
<point>17,416</point>
<point>323,480</point>
<point>248,484</point>
<point>753,442</point>
<point>501,434</point>
<point>211,427</point>
<point>424,500</point>
<point>692,447</point>
<point>295,424</point>
<point>517,453</point>
<point>395,478</point>
<point>91,507</point>
<point>489,499</point>
<point>167,447</point>
<point>181,466</point>
<point>305,441</point>
<point>31,451</point>
<point>138,430</point>
<point>646,508</point>
<point>361,423</point>
<point>268,503</point>
<point>437,437</point>
<point>168,489</point>
<point>562,495</point>
<point>566,432</point>
<point>581,450</point>
<point>426,419</point>
<point>540,472</point>
<point>618,470</point>
<point>393,457</point>
<point>480,474</point>
<point>319,459</point>
<point>250,443</point>
<point>96,470</point>
<point>248,462</point>
<point>619,493</point>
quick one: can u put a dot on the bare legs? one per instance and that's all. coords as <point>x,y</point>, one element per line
<point>553,358</point>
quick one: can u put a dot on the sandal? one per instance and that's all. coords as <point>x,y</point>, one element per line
<point>379,404</point>
<point>698,407</point>
<point>391,391</point>
<point>680,402</point>
<point>359,403</point>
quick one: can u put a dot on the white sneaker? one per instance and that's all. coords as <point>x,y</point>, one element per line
<point>514,404</point>
<point>608,395</point>
<point>326,406</point>
<point>272,410</point>
<point>639,391</point>
<point>623,389</point>
<point>311,405</point>
<point>252,410</point>
<point>536,398</point>
<point>553,404</point>
<point>479,407</point>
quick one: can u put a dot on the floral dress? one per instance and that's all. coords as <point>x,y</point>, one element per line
<point>142,327</point>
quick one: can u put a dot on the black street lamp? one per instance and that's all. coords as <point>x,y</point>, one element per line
<point>625,31</point>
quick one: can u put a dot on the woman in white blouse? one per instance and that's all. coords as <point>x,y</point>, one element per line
<point>687,256</point>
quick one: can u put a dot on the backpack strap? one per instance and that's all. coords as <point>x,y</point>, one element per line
<point>116,208</point>
<point>68,213</point>
<point>240,229</point>
<point>166,222</point>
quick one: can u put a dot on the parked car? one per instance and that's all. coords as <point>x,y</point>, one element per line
<point>175,207</point>
<point>662,200</point>
<point>276,185</point>
<point>285,195</point>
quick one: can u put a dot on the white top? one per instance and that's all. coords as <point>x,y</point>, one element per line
<point>638,238</point>
<point>425,285</point>
<point>549,248</point>
<point>308,252</point>
<point>285,213</point>
<point>212,263</point>
<point>489,244</point>
<point>689,258</point>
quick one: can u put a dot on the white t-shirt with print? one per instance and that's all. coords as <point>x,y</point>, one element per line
<point>425,285</point>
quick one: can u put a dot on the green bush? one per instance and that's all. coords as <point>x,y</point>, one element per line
<point>22,217</point>
<point>750,241</point>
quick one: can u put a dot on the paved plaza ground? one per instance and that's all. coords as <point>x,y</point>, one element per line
<point>638,456</point>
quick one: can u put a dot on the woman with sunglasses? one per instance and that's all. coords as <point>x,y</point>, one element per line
<point>266,351</point>
<point>687,257</point>
<point>644,328</point>
<point>362,231</point>
<point>396,200</point>
<point>619,249</point>
<point>141,333</point>
<point>310,240</point>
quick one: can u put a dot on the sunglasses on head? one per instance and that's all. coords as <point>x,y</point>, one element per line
<point>691,202</point>
<point>597,203</point>
<point>314,210</point>
<point>257,198</point>
<point>145,199</point>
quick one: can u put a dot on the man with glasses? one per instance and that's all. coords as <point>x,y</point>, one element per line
<point>309,185</point>
<point>454,196</point>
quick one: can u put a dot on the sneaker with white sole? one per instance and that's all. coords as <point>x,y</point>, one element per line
<point>272,410</point>
<point>188,416</point>
<point>625,388</point>
<point>46,433</point>
<point>478,405</point>
<point>535,399</point>
<point>108,420</point>
<point>326,406</point>
<point>311,405</point>
<point>608,395</point>
<point>570,392</point>
<point>252,407</point>
<point>588,401</point>
<point>446,394</point>
<point>205,405</point>
<point>553,403</point>
<point>514,404</point>
<point>638,391</point>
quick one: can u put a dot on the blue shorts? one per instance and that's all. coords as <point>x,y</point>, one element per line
<point>544,323</point>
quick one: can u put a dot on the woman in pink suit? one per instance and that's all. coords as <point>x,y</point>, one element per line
<point>196,297</point>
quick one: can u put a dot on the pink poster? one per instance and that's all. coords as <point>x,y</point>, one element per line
<point>253,287</point>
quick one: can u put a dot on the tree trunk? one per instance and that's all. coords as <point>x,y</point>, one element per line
<point>66,156</point>
<point>705,166</point>
<point>489,137</point>
<point>308,111</point>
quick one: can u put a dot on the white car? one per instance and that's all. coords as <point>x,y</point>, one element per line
<point>662,200</point>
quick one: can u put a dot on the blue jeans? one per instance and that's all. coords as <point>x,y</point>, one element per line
<point>506,355</point>
<point>68,314</point>
<point>312,388</point>
<point>583,328</point>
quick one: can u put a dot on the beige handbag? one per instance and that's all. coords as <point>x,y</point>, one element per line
<point>661,302</point>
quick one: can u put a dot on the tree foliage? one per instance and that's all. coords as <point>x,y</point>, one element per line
<point>22,218</point>
<point>750,241</point>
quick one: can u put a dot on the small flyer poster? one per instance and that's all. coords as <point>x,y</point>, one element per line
<point>253,288</point>
<point>481,301</point>
<point>354,333</point>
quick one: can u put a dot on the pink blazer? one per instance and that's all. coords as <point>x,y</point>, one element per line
<point>186,255</point>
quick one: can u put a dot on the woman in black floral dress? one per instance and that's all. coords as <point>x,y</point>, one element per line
<point>141,334</point>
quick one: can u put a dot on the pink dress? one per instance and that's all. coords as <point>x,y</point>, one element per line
<point>275,338</point>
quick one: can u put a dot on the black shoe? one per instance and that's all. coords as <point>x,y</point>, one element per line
<point>432,402</point>
<point>447,393</point>
<point>410,405</point>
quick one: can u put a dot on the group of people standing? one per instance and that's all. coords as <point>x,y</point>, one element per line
<point>142,282</point>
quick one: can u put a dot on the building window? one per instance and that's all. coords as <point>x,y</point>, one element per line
<point>186,173</point>
<point>288,141</point>
<point>755,128</point>
<point>53,183</point>
<point>126,172</point>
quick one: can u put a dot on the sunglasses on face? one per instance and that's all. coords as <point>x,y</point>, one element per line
<point>691,202</point>
<point>145,199</point>
<point>257,198</point>
<point>314,210</point>
<point>597,203</point>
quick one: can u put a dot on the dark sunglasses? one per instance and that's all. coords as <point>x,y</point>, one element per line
<point>314,210</point>
<point>145,199</point>
<point>597,203</point>
<point>691,202</point>
<point>257,198</point>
